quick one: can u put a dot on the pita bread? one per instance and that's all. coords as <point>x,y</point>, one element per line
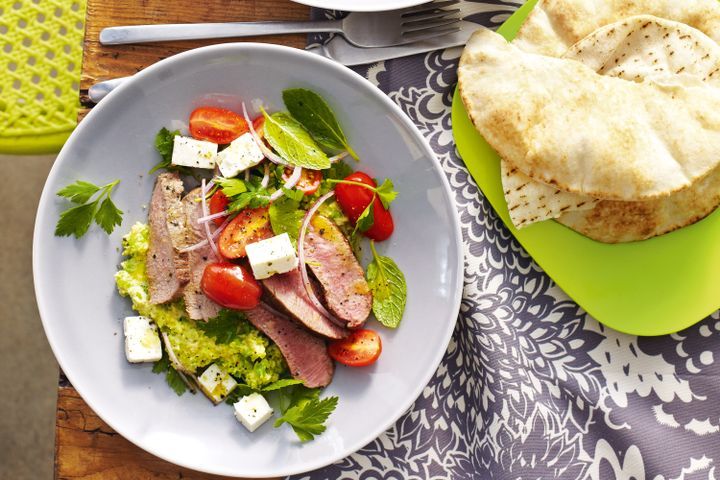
<point>564,125</point>
<point>555,25</point>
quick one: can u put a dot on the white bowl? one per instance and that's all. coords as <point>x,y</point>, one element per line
<point>361,5</point>
<point>82,312</point>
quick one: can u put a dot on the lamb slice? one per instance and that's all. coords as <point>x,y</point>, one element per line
<point>167,268</point>
<point>341,278</point>
<point>197,304</point>
<point>305,354</point>
<point>288,291</point>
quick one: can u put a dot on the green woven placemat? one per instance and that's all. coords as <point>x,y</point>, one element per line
<point>40,56</point>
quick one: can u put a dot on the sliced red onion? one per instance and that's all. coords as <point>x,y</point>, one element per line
<point>290,184</point>
<point>208,234</point>
<point>209,218</point>
<point>204,242</point>
<point>259,141</point>
<point>191,248</point>
<point>206,189</point>
<point>301,257</point>
<point>219,230</point>
<point>266,176</point>
<point>338,157</point>
<point>179,368</point>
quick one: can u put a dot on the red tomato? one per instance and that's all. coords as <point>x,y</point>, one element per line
<point>354,199</point>
<point>258,125</point>
<point>362,347</point>
<point>216,125</point>
<point>309,180</point>
<point>251,225</point>
<point>231,285</point>
<point>218,203</point>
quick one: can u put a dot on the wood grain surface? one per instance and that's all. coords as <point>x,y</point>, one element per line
<point>86,448</point>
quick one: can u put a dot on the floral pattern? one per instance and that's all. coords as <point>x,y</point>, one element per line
<point>531,386</point>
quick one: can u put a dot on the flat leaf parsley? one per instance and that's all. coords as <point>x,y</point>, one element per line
<point>76,220</point>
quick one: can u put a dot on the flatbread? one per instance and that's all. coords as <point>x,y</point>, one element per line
<point>563,124</point>
<point>639,48</point>
<point>555,25</point>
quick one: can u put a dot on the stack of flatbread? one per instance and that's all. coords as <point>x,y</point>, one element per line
<point>606,114</point>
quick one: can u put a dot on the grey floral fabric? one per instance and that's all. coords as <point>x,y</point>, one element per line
<point>531,387</point>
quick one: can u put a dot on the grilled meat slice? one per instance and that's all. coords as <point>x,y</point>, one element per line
<point>305,354</point>
<point>288,292</point>
<point>167,268</point>
<point>330,258</point>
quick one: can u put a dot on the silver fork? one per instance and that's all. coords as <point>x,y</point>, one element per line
<point>375,29</point>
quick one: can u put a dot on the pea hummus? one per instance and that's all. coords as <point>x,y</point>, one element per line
<point>250,356</point>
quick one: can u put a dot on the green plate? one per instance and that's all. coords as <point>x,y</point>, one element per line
<point>653,287</point>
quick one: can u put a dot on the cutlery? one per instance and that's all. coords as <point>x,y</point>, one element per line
<point>367,30</point>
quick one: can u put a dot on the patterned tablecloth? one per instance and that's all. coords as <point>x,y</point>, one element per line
<point>531,386</point>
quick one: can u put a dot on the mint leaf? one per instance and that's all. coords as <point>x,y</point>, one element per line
<point>75,220</point>
<point>226,327</point>
<point>389,289</point>
<point>313,112</point>
<point>108,216</point>
<point>292,142</point>
<point>286,217</point>
<point>79,192</point>
<point>309,419</point>
<point>386,192</point>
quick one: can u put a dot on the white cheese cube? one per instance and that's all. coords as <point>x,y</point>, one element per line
<point>270,256</point>
<point>241,154</point>
<point>252,411</point>
<point>188,152</point>
<point>216,383</point>
<point>142,342</point>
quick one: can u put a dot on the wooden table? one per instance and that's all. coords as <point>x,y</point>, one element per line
<point>86,447</point>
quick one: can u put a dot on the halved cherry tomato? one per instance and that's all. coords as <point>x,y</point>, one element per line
<point>231,285</point>
<point>218,203</point>
<point>362,347</point>
<point>216,125</point>
<point>309,179</point>
<point>251,225</point>
<point>354,199</point>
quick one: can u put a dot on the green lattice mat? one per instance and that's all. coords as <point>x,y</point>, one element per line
<point>40,56</point>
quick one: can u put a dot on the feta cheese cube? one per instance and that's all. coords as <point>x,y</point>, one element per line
<point>241,154</point>
<point>252,411</point>
<point>188,152</point>
<point>142,342</point>
<point>270,256</point>
<point>216,383</point>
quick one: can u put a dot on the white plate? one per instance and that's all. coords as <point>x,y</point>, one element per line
<point>82,312</point>
<point>361,5</point>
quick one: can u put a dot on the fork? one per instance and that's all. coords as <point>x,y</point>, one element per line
<point>372,29</point>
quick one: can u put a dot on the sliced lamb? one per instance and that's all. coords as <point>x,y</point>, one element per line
<point>197,304</point>
<point>167,268</point>
<point>305,354</point>
<point>288,292</point>
<point>331,260</point>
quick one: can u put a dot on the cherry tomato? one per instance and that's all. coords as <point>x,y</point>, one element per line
<point>362,347</point>
<point>309,180</point>
<point>249,226</point>
<point>216,125</point>
<point>218,203</point>
<point>231,285</point>
<point>258,125</point>
<point>354,199</point>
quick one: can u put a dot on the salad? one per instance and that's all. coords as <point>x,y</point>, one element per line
<point>247,278</point>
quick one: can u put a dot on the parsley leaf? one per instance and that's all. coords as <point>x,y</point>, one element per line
<point>164,141</point>
<point>226,326</point>
<point>389,289</point>
<point>282,383</point>
<point>313,112</point>
<point>308,419</point>
<point>237,393</point>
<point>366,219</point>
<point>292,142</point>
<point>231,187</point>
<point>172,377</point>
<point>76,220</point>
<point>286,217</point>
<point>338,171</point>
<point>386,193</point>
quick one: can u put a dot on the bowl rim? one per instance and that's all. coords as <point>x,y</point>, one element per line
<point>46,198</point>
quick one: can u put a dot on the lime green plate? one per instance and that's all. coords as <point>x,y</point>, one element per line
<point>653,287</point>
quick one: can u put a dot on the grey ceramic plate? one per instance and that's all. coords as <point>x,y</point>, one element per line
<point>82,312</point>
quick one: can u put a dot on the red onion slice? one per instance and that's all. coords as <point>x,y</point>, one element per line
<point>179,368</point>
<point>301,257</point>
<point>290,184</point>
<point>208,234</point>
<point>209,218</point>
<point>206,189</point>
<point>259,141</point>
<point>266,176</point>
